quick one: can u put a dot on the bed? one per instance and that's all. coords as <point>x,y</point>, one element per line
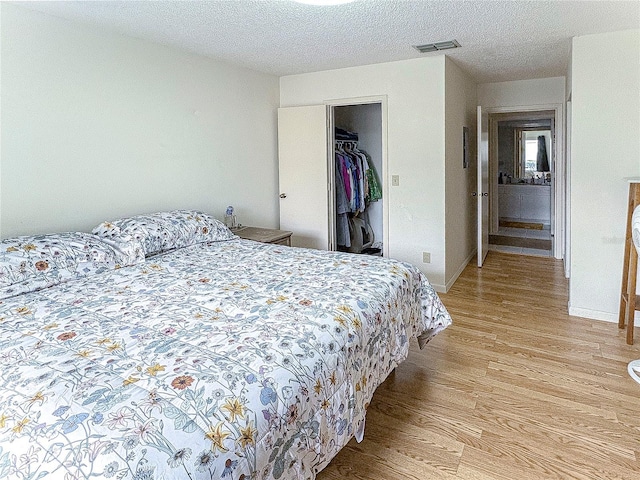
<point>163,347</point>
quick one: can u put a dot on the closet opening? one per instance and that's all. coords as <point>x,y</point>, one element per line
<point>356,172</point>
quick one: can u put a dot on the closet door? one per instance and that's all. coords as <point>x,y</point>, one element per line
<point>304,186</point>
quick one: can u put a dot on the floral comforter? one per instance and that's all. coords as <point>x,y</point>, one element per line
<point>227,360</point>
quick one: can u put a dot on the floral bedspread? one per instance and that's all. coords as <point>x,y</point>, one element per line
<point>230,360</point>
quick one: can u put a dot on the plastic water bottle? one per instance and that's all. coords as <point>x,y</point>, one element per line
<point>230,218</point>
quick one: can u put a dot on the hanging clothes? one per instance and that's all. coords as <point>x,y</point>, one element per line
<point>356,183</point>
<point>342,205</point>
<point>373,182</point>
<point>357,179</point>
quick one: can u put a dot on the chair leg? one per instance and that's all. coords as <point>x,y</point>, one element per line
<point>630,311</point>
<point>625,295</point>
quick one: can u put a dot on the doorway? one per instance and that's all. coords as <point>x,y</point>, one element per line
<point>522,182</point>
<point>358,221</point>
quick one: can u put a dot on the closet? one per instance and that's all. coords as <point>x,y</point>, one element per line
<point>307,147</point>
<point>358,215</point>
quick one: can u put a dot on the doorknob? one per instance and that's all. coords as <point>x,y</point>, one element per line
<point>283,195</point>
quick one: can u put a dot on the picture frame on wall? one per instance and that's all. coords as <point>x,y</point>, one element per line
<point>465,147</point>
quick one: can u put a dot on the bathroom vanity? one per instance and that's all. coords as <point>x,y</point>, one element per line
<point>523,201</point>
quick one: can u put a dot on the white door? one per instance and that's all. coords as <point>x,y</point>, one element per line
<point>483,186</point>
<point>304,191</point>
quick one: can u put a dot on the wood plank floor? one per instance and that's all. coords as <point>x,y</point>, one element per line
<point>515,389</point>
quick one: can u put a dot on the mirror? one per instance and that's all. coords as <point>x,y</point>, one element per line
<point>532,153</point>
<point>524,150</point>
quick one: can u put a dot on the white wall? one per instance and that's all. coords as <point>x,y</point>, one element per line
<point>460,205</point>
<point>605,148</point>
<point>1,96</point>
<point>415,148</point>
<point>97,125</point>
<point>539,91</point>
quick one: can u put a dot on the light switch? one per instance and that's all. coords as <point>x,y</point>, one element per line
<point>395,180</point>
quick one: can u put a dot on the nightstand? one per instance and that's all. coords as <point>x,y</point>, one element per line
<point>264,235</point>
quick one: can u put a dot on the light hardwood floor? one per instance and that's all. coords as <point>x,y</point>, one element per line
<point>515,389</point>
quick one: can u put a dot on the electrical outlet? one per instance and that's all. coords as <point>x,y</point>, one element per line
<point>426,257</point>
<point>395,180</point>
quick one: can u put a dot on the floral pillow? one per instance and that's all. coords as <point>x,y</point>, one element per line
<point>164,231</point>
<point>34,262</point>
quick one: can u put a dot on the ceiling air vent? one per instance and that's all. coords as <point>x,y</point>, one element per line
<point>435,47</point>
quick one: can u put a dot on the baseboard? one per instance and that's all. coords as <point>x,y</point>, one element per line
<point>455,276</point>
<point>593,314</point>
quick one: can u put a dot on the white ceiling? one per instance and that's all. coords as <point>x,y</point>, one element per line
<point>501,40</point>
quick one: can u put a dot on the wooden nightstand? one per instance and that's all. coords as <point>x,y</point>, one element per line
<point>265,235</point>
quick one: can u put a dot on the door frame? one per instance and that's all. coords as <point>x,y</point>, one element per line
<point>559,169</point>
<point>355,101</point>
<point>567,192</point>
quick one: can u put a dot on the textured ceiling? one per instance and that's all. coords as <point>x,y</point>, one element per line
<point>501,40</point>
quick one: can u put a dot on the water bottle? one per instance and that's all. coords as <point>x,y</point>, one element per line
<point>230,218</point>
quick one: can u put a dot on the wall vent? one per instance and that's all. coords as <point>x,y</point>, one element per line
<point>437,46</point>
